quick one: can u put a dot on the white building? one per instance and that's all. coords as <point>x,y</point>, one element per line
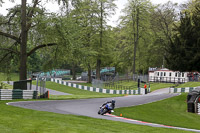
<point>166,75</point>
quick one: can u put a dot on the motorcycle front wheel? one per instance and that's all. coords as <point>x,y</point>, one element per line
<point>104,111</point>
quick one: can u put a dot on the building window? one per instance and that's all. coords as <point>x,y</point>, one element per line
<point>170,74</point>
<point>161,74</point>
<point>175,74</point>
<point>164,73</point>
<point>158,73</point>
<point>182,74</point>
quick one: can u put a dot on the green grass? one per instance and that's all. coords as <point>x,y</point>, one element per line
<point>85,84</point>
<point>172,112</point>
<point>189,84</point>
<point>131,84</point>
<point>5,86</point>
<point>4,77</point>
<point>154,86</point>
<point>19,120</point>
<point>76,93</point>
<point>13,77</point>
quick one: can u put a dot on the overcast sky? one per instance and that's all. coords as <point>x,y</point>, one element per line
<point>113,21</point>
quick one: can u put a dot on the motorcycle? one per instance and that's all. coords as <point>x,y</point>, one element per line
<point>105,109</point>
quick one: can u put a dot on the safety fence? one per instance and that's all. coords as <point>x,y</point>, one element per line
<point>181,90</point>
<point>140,91</point>
<point>10,94</point>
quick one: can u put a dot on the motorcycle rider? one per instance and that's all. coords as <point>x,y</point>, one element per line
<point>111,105</point>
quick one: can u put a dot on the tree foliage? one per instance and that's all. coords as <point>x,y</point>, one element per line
<point>80,36</point>
<point>134,32</point>
<point>183,52</point>
<point>18,28</point>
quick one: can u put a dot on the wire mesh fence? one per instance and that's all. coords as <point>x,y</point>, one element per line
<point>97,83</point>
<point>41,87</point>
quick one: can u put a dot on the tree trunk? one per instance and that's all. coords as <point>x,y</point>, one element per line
<point>23,45</point>
<point>98,69</point>
<point>136,39</point>
<point>101,43</point>
<point>89,74</point>
<point>74,72</point>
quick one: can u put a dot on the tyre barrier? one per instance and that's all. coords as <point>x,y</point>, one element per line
<point>10,94</point>
<point>181,90</point>
<point>140,91</point>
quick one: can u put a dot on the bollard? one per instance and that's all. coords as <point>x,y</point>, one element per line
<point>48,94</point>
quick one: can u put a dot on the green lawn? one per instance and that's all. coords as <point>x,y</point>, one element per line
<point>117,85</point>
<point>19,120</point>
<point>172,112</point>
<point>189,84</point>
<point>5,86</point>
<point>4,77</point>
<point>76,93</point>
<point>13,77</point>
<point>154,86</point>
<point>85,84</point>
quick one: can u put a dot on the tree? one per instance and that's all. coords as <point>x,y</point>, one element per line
<point>183,53</point>
<point>163,19</point>
<point>105,8</point>
<point>88,21</point>
<point>70,34</point>
<point>19,39</point>
<point>133,28</point>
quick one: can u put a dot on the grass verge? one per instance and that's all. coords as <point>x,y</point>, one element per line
<point>189,84</point>
<point>172,112</point>
<point>76,93</point>
<point>154,86</point>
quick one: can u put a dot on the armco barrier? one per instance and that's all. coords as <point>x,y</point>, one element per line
<point>181,90</point>
<point>140,91</point>
<point>9,94</point>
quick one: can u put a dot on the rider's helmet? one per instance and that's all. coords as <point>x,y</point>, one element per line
<point>113,101</point>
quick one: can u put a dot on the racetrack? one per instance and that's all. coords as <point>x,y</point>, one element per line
<point>90,107</point>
